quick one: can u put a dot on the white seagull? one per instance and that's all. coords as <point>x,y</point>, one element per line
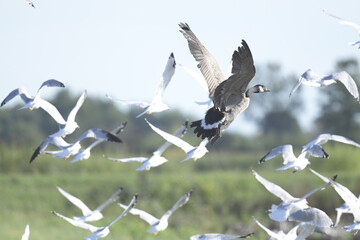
<point>349,198</point>
<point>68,149</point>
<point>160,224</point>
<point>157,104</point>
<point>88,214</point>
<point>218,236</point>
<point>98,232</point>
<point>290,160</point>
<point>291,208</point>
<point>35,102</point>
<point>325,137</point>
<point>344,208</point>
<point>69,126</point>
<point>191,151</point>
<point>280,235</point>
<point>85,154</point>
<point>350,24</point>
<point>156,158</point>
<point>26,234</point>
<point>313,79</point>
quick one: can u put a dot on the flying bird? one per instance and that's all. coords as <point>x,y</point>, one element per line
<point>191,151</point>
<point>156,158</point>
<point>26,234</point>
<point>290,160</point>
<point>292,208</point>
<point>157,104</point>
<point>218,236</point>
<point>313,79</point>
<point>344,208</point>
<point>69,126</point>
<point>230,96</point>
<point>97,232</point>
<point>85,154</point>
<point>325,137</point>
<point>88,214</point>
<point>160,224</point>
<point>354,26</point>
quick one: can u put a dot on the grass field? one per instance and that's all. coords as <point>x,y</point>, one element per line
<point>226,195</point>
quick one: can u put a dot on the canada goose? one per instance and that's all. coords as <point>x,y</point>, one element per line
<point>350,24</point>
<point>230,96</point>
<point>313,79</point>
<point>157,104</point>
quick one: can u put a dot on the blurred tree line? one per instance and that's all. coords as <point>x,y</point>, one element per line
<point>276,116</point>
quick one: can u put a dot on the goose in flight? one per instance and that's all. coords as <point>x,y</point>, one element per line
<point>88,214</point>
<point>348,197</point>
<point>191,151</point>
<point>160,224</point>
<point>68,149</point>
<point>313,79</point>
<point>218,236</point>
<point>35,102</point>
<point>354,26</point>
<point>69,126</point>
<point>157,104</point>
<point>156,158</point>
<point>290,160</point>
<point>97,232</point>
<point>85,153</point>
<point>26,234</point>
<point>230,96</point>
<point>292,208</point>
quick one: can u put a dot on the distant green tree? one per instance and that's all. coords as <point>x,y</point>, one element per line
<point>340,112</point>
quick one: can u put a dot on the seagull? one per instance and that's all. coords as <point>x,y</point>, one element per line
<point>88,214</point>
<point>85,154</point>
<point>291,235</point>
<point>69,126</point>
<point>348,197</point>
<point>291,207</point>
<point>290,160</point>
<point>157,104</point>
<point>35,102</point>
<point>217,236</point>
<point>160,224</point>
<point>98,232</point>
<point>230,96</point>
<point>325,137</point>
<point>350,24</point>
<point>156,159</point>
<point>313,79</point>
<point>68,149</point>
<point>191,151</point>
<point>344,208</point>
<point>26,234</point>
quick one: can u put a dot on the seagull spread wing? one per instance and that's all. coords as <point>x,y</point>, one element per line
<point>109,200</point>
<point>24,94</point>
<point>348,82</point>
<point>345,22</point>
<point>181,202</point>
<point>285,150</point>
<point>76,223</point>
<point>150,219</point>
<point>26,234</point>
<point>78,105</point>
<point>76,201</point>
<point>206,62</point>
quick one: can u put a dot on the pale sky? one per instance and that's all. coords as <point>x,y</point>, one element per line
<point>121,47</point>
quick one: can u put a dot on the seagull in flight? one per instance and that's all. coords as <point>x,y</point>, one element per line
<point>348,197</point>
<point>191,151</point>
<point>290,160</point>
<point>313,79</point>
<point>69,126</point>
<point>354,26</point>
<point>26,234</point>
<point>156,158</point>
<point>88,214</point>
<point>324,138</point>
<point>218,236</point>
<point>97,232</point>
<point>85,154</point>
<point>292,208</point>
<point>35,102</point>
<point>68,149</point>
<point>344,208</point>
<point>157,104</point>
<point>160,224</point>
<point>230,96</point>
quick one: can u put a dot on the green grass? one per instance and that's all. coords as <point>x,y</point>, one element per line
<point>226,195</point>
